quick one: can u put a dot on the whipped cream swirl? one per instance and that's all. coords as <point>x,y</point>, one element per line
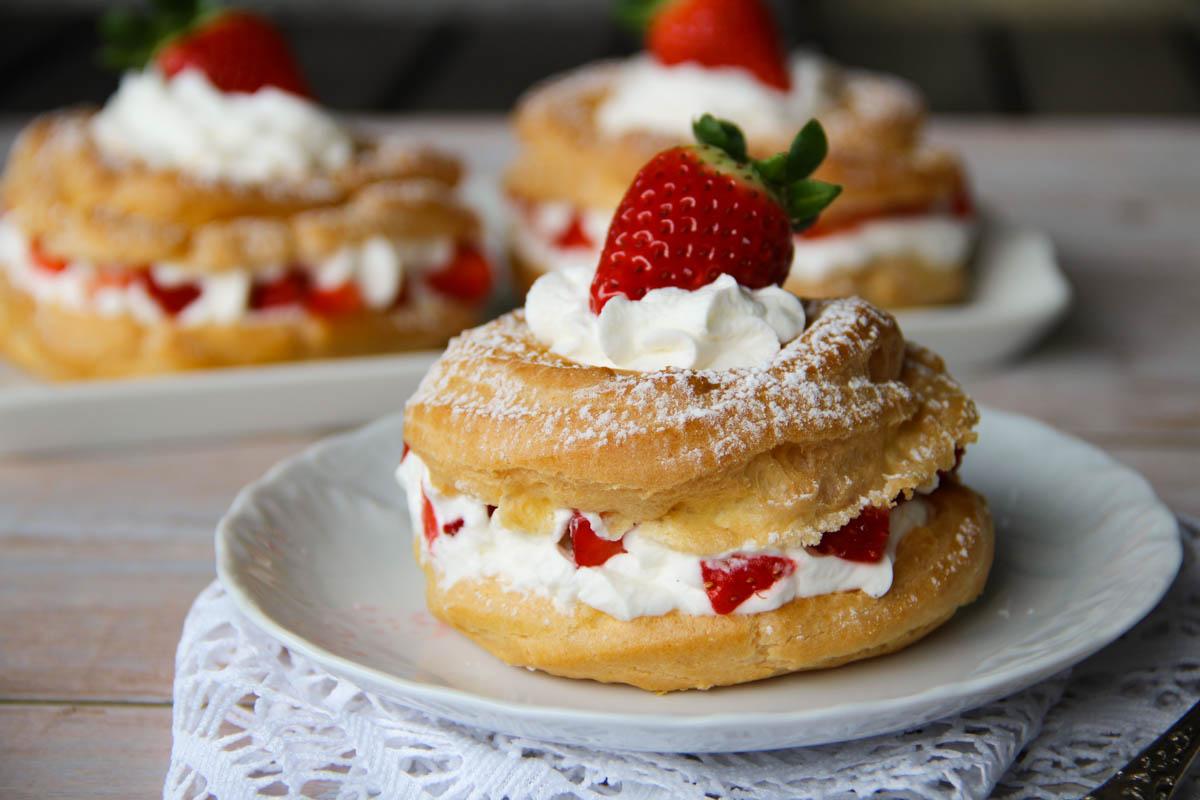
<point>187,124</point>
<point>719,326</point>
<point>654,97</point>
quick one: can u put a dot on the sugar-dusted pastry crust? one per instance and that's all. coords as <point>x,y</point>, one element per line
<point>59,343</point>
<point>846,415</point>
<point>939,568</point>
<point>81,205</point>
<point>873,131</point>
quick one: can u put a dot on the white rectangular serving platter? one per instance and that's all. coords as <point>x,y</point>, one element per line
<point>35,417</point>
<point>1017,294</point>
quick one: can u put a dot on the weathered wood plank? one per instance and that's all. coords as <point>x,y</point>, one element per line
<point>53,752</point>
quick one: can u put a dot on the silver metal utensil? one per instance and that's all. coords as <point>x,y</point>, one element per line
<point>1156,772</point>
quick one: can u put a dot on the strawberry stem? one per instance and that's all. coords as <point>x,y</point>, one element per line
<point>786,175</point>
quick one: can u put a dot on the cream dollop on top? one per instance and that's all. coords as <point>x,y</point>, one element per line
<point>654,97</point>
<point>719,326</point>
<point>185,123</point>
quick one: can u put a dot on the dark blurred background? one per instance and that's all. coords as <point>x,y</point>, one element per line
<point>974,56</point>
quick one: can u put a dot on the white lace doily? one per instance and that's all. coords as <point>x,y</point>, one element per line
<point>253,720</point>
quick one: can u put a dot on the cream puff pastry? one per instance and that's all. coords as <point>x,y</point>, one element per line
<point>681,479</point>
<point>901,235</point>
<point>186,225</point>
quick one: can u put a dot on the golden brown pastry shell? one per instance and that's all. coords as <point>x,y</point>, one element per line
<point>939,567</point>
<point>81,205</point>
<point>62,344</point>
<point>874,152</point>
<point>846,415</point>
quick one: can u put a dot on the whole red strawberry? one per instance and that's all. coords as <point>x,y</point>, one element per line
<point>236,50</point>
<point>695,213</point>
<point>714,33</point>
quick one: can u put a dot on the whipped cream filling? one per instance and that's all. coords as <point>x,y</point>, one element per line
<point>185,123</point>
<point>646,580</point>
<point>650,96</point>
<point>721,325</point>
<point>536,229</point>
<point>376,267</point>
<point>942,240</point>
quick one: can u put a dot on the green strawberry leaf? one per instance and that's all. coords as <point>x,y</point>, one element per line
<point>808,150</point>
<point>636,15</point>
<point>130,38</point>
<point>805,199</point>
<point>772,170</point>
<point>721,134</point>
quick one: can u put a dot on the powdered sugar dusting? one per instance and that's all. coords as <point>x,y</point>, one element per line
<point>817,385</point>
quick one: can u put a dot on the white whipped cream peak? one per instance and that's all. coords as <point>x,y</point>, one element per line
<point>188,124</point>
<point>664,99</point>
<point>721,325</point>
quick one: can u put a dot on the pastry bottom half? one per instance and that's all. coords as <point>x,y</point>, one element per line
<point>894,281</point>
<point>939,568</point>
<point>63,344</point>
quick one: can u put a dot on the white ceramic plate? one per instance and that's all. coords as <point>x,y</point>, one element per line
<point>1017,293</point>
<point>318,553</point>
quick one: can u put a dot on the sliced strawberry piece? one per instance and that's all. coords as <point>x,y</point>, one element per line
<point>453,527</point>
<point>715,33</point>
<point>171,299</point>
<point>574,236</point>
<point>730,581</point>
<point>43,260</point>
<point>695,213</point>
<point>468,276</point>
<point>404,452</point>
<point>335,302</point>
<point>863,538</point>
<point>962,205</point>
<point>590,550</point>
<point>113,278</point>
<point>428,519</point>
<point>238,52</point>
<point>289,289</point>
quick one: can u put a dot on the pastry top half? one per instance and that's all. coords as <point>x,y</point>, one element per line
<point>873,121</point>
<point>84,203</point>
<point>846,415</point>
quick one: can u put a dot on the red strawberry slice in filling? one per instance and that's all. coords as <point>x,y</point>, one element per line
<point>863,538</point>
<point>429,521</point>
<point>730,581</point>
<point>289,289</point>
<point>171,299</point>
<point>574,236</point>
<point>590,550</point>
<point>468,276</point>
<point>335,302</point>
<point>43,260</point>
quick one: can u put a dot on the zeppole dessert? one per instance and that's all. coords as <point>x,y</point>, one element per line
<point>212,214</point>
<point>900,235</point>
<point>674,474</point>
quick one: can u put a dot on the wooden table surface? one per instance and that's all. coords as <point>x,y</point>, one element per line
<point>101,553</point>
